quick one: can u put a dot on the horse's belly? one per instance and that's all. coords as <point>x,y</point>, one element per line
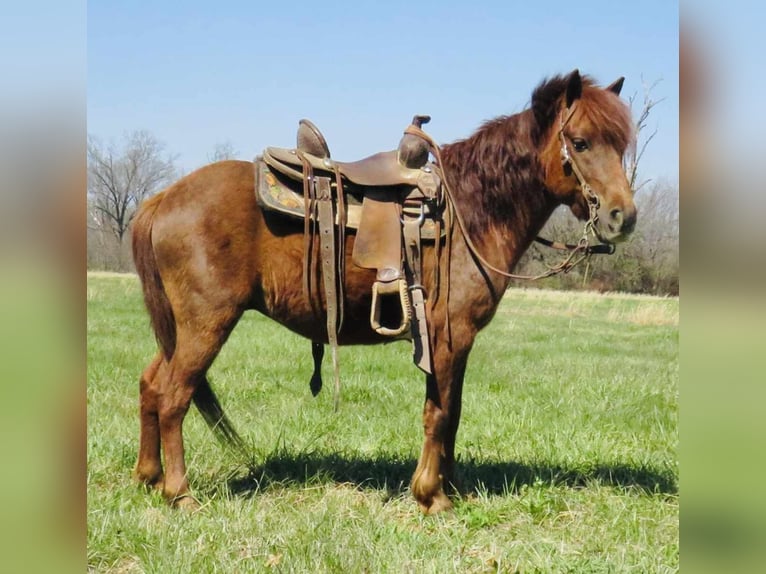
<point>285,302</point>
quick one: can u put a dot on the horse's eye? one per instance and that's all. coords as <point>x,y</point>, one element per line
<point>579,144</point>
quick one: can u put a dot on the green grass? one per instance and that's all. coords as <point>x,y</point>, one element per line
<point>567,448</point>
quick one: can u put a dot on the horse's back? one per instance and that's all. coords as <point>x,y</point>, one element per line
<point>218,192</point>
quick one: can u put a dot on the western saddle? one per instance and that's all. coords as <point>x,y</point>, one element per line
<point>392,200</point>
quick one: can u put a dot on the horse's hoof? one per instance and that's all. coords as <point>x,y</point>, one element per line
<point>439,503</point>
<point>185,502</point>
<point>151,481</point>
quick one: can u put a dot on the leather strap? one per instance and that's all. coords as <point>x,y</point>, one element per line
<point>309,203</point>
<point>421,346</point>
<point>600,249</point>
<point>342,218</point>
<point>329,277</point>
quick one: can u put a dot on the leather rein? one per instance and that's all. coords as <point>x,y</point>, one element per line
<point>578,252</point>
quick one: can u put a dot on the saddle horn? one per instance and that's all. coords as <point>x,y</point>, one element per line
<point>413,150</point>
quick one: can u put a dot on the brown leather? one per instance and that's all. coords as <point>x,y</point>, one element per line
<point>309,216</point>
<point>380,170</point>
<point>285,195</point>
<point>310,139</point>
<point>421,344</point>
<point>378,242</point>
<point>401,204</point>
<point>327,254</point>
<point>384,182</point>
<point>329,270</point>
<point>413,150</point>
<point>341,220</point>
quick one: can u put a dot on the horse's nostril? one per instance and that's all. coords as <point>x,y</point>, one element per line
<point>616,215</point>
<point>629,220</point>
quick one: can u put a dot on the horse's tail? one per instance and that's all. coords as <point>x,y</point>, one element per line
<point>155,298</point>
<point>164,325</point>
<point>211,410</point>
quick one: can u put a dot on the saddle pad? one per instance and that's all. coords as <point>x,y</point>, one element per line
<point>274,192</point>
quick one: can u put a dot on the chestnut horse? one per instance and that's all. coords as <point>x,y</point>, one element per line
<point>205,252</point>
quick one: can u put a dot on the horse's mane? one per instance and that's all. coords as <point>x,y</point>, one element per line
<point>496,170</point>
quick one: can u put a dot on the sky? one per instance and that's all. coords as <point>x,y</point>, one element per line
<point>244,73</point>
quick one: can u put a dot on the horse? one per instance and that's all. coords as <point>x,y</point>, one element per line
<point>205,252</point>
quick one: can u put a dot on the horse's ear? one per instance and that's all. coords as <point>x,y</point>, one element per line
<point>616,86</point>
<point>574,87</point>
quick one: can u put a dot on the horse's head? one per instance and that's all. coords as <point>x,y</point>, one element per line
<point>586,131</point>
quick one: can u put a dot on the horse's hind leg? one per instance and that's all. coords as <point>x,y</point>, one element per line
<point>197,346</point>
<point>148,469</point>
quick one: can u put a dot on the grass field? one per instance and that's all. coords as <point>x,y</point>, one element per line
<point>567,448</point>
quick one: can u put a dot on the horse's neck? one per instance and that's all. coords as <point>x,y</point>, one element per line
<point>504,205</point>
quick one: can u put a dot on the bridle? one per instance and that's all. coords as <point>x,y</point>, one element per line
<point>569,164</point>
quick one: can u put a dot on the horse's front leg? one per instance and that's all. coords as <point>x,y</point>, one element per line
<point>441,416</point>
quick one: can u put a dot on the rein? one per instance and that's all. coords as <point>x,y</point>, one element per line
<point>578,252</point>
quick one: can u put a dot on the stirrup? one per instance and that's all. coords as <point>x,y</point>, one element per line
<point>387,289</point>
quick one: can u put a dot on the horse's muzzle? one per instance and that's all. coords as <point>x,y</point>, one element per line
<point>616,224</point>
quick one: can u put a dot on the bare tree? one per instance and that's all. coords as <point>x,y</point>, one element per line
<point>222,151</point>
<point>657,241</point>
<point>119,178</point>
<point>634,155</point>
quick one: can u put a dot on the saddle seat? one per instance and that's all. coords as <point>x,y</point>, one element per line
<point>405,165</point>
<point>379,170</point>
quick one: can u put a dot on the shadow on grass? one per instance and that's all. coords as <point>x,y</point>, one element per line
<point>393,475</point>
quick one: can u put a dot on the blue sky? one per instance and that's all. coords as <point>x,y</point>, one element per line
<point>246,72</point>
